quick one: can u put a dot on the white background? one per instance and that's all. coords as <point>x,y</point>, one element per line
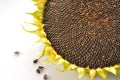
<point>13,37</point>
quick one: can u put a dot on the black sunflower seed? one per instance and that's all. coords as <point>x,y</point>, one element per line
<point>35,61</point>
<point>40,67</point>
<point>38,71</point>
<point>45,77</point>
<point>17,52</point>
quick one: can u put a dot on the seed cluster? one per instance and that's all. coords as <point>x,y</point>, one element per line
<point>39,69</point>
<point>84,32</point>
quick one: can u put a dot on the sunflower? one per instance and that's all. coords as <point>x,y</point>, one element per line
<point>83,35</point>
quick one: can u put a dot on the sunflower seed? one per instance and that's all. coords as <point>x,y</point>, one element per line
<point>17,52</point>
<point>35,61</point>
<point>45,77</point>
<point>40,67</point>
<point>38,71</point>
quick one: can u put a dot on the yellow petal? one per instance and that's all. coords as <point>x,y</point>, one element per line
<point>101,73</point>
<point>118,71</point>
<point>110,69</point>
<point>81,72</point>
<point>73,67</point>
<point>60,61</point>
<point>42,34</point>
<point>57,57</point>
<point>40,6</point>
<point>45,41</point>
<point>92,73</point>
<point>31,23</point>
<point>39,23</point>
<point>36,0</point>
<point>49,60</point>
<point>41,56</point>
<point>66,66</point>
<point>40,1</point>
<point>117,66</point>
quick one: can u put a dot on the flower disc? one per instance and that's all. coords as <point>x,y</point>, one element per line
<point>84,32</point>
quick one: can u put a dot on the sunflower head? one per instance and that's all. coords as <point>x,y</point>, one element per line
<point>83,35</point>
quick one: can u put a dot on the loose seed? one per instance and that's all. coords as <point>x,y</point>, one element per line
<point>45,77</point>
<point>35,61</point>
<point>17,52</point>
<point>40,67</point>
<point>38,71</point>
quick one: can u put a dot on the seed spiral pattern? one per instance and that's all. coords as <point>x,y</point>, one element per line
<point>84,32</point>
